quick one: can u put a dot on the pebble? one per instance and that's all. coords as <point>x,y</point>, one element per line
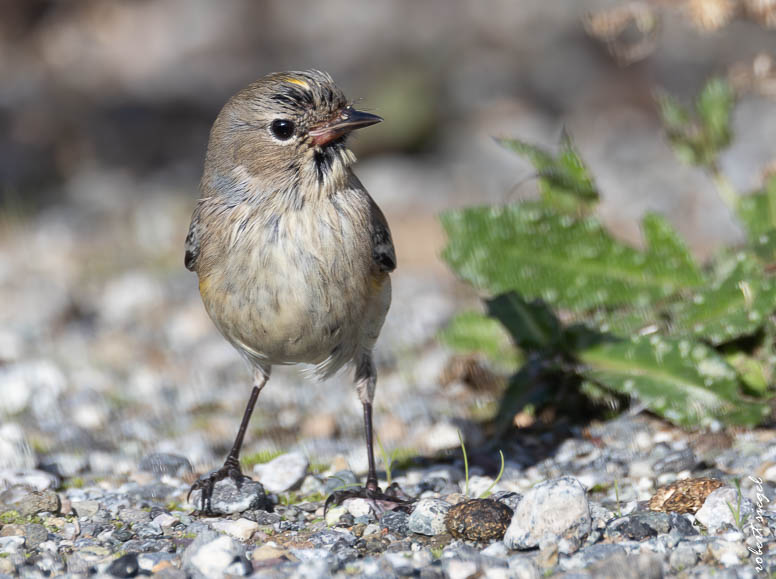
<point>282,473</point>
<point>555,508</point>
<point>241,529</point>
<point>478,520</point>
<point>38,502</point>
<point>214,555</point>
<point>717,511</point>
<point>428,517</point>
<point>228,498</point>
<point>37,480</point>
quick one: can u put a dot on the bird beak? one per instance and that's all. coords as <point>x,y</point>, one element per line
<point>348,120</point>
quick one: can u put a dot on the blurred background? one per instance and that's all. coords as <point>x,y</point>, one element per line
<point>106,352</point>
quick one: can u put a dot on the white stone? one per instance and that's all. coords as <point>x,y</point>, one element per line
<point>15,451</point>
<point>36,480</point>
<point>334,513</point>
<point>166,521</point>
<point>23,382</point>
<point>217,558</point>
<point>457,569</point>
<point>717,509</point>
<point>428,517</point>
<point>282,473</point>
<point>11,544</point>
<point>241,529</point>
<point>358,507</point>
<point>557,507</point>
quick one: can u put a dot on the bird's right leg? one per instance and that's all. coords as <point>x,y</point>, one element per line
<point>231,468</point>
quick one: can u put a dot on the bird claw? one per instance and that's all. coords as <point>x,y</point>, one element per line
<point>207,483</point>
<point>393,499</point>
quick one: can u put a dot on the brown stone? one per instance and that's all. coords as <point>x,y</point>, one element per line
<point>684,496</point>
<point>478,520</point>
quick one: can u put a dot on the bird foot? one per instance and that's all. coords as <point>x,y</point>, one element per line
<point>393,499</point>
<point>206,484</point>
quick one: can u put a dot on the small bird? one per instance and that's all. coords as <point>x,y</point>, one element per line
<point>293,255</point>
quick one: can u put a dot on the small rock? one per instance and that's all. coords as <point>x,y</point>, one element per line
<point>214,555</point>
<point>269,552</point>
<point>228,498</point>
<point>85,509</point>
<point>125,566</point>
<point>683,558</point>
<point>428,518</point>
<point>676,461</point>
<point>38,502</point>
<point>684,496</point>
<point>478,520</point>
<point>728,553</point>
<point>165,464</point>
<point>556,507</point>
<point>241,529</point>
<point>340,480</point>
<point>15,451</point>
<point>638,526</point>
<point>11,545</point>
<point>457,569</point>
<point>36,480</point>
<point>717,509</point>
<point>282,473</point>
<point>396,522</point>
<point>335,513</point>
<point>165,521</point>
<point>359,508</point>
<point>35,534</point>
<point>643,566</point>
<point>509,498</point>
<point>593,554</point>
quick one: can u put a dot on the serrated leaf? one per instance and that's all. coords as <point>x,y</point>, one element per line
<point>475,332</point>
<point>675,117</point>
<point>665,244</point>
<point>735,306</point>
<point>532,325</point>
<point>564,181</point>
<point>573,263</point>
<point>715,105</point>
<point>757,211</point>
<point>683,381</point>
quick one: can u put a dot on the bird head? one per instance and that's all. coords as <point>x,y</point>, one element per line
<point>283,133</point>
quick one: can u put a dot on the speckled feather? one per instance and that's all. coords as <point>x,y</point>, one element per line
<point>292,253</point>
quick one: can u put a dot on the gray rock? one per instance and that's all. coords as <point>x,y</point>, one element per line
<point>11,544</point>
<point>38,502</point>
<point>35,534</point>
<point>132,516</point>
<point>428,517</point>
<point>638,526</point>
<point>397,522</point>
<point>620,566</point>
<point>228,498</point>
<point>509,498</point>
<point>728,553</point>
<point>676,461</point>
<point>125,566</point>
<point>556,507</point>
<point>215,555</point>
<point>165,464</point>
<point>592,555</point>
<point>37,480</point>
<point>282,473</point>
<point>340,480</point>
<point>682,558</point>
<point>86,509</point>
<point>717,510</point>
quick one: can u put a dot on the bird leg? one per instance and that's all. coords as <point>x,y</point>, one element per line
<point>393,497</point>
<point>231,468</point>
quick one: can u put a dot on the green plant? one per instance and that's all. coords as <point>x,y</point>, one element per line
<point>261,457</point>
<point>736,511</point>
<point>486,493</point>
<point>586,312</point>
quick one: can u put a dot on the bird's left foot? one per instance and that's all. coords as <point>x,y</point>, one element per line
<point>393,499</point>
<point>207,483</point>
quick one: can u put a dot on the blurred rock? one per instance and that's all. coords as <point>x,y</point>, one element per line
<point>282,473</point>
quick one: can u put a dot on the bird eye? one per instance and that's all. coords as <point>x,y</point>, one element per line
<point>282,129</point>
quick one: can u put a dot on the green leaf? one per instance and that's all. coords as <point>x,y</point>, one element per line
<point>757,211</point>
<point>738,305</point>
<point>675,117</point>
<point>533,385</point>
<point>665,245</point>
<point>715,106</point>
<point>573,263</point>
<point>476,332</point>
<point>752,372</point>
<point>533,325</point>
<point>684,381</point>
<point>564,181</point>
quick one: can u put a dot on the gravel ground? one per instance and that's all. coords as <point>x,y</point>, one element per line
<point>117,393</point>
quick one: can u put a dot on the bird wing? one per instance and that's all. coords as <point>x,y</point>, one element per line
<point>193,241</point>
<point>383,252</point>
